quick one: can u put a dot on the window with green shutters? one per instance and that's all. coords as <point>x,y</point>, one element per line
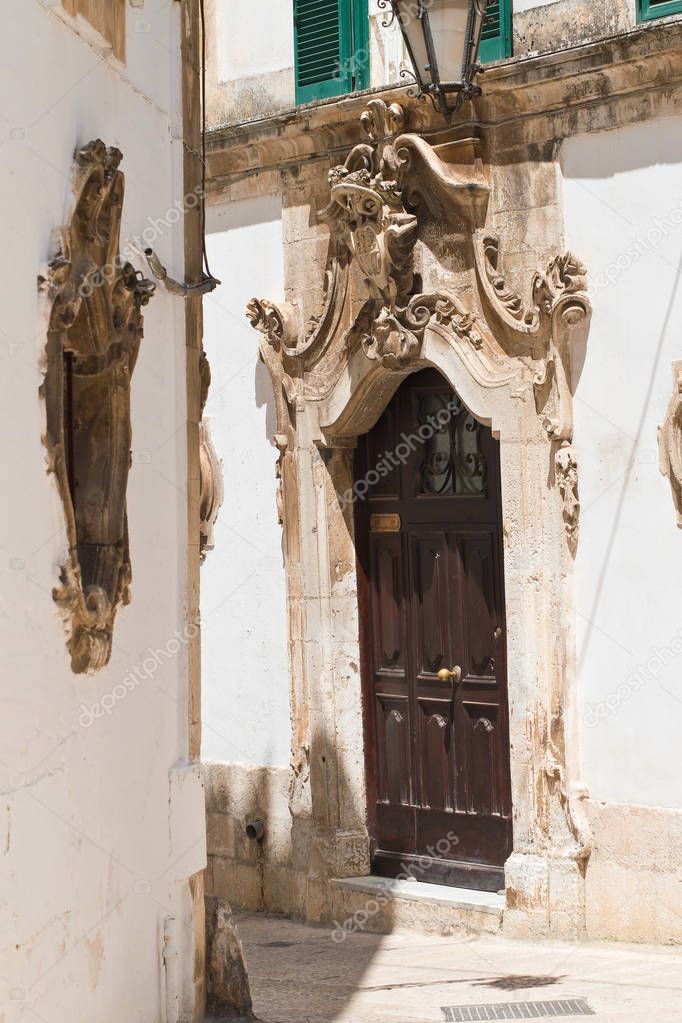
<point>647,10</point>
<point>331,43</point>
<point>496,36</point>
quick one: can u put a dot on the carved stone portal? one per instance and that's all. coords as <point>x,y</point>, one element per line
<point>414,277</point>
<point>94,333</point>
<point>377,197</point>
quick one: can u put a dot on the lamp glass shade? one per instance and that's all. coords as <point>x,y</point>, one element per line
<point>442,38</point>
<point>412,26</point>
<point>448,21</point>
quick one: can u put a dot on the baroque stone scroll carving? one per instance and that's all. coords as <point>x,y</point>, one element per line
<point>380,197</point>
<point>94,334</point>
<point>547,335</point>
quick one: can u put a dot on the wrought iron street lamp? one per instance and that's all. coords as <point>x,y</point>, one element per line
<point>442,39</point>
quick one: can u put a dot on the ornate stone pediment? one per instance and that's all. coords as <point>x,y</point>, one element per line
<point>386,200</point>
<point>94,334</point>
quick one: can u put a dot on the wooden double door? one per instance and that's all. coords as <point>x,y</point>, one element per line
<point>430,568</point>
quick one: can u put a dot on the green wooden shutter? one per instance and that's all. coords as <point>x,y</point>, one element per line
<point>647,10</point>
<point>496,35</point>
<point>361,44</point>
<point>331,48</point>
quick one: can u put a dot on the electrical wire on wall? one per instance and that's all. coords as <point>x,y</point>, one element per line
<point>202,13</point>
<point>208,282</point>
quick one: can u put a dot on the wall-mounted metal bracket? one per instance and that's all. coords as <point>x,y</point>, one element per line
<point>205,285</point>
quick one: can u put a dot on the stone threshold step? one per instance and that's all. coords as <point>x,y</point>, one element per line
<point>421,891</point>
<point>383,904</point>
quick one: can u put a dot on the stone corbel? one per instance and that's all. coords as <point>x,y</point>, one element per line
<point>670,443</point>
<point>563,301</point>
<point>446,179</point>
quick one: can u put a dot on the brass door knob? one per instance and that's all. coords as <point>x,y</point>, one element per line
<point>447,675</point>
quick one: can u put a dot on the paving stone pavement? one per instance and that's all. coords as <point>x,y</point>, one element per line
<point>299,975</point>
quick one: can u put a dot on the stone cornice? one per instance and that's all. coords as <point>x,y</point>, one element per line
<point>593,86</point>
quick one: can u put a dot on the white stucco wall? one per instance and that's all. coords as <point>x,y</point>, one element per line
<point>251,59</point>
<point>387,51</point>
<point>245,678</point>
<point>623,195</point>
<point>528,5</point>
<point>243,53</point>
<point>90,863</point>
<point>255,38</point>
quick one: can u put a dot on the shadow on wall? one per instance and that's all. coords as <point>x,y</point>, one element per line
<point>301,976</point>
<point>264,396</point>
<point>612,153</point>
<point>266,853</point>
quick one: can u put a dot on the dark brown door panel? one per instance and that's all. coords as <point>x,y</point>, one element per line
<point>430,573</point>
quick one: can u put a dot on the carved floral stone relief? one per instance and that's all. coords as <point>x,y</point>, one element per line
<point>378,199</point>
<point>94,333</point>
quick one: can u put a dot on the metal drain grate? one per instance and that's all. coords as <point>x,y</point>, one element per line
<point>518,1010</point>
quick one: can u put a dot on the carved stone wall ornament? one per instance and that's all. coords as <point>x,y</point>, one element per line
<point>368,214</point>
<point>211,488</point>
<point>279,324</point>
<point>282,443</point>
<point>489,248</point>
<point>94,333</point>
<point>670,443</point>
<point>381,122</point>
<point>566,468</point>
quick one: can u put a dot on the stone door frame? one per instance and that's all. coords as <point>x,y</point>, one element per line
<point>515,368</point>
